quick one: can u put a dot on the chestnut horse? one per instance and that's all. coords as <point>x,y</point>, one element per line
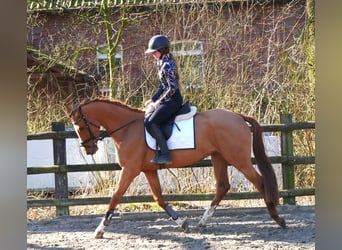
<point>220,133</point>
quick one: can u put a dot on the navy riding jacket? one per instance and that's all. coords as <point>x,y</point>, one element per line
<point>168,87</point>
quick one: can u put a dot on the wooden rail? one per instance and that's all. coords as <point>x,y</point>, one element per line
<point>60,170</point>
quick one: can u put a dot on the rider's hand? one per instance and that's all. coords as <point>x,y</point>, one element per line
<point>156,104</point>
<point>148,102</point>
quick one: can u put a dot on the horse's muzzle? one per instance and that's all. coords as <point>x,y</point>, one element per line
<point>90,149</point>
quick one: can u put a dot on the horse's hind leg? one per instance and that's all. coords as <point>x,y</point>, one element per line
<point>153,180</point>
<point>222,186</point>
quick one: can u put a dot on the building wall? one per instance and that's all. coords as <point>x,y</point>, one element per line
<point>240,41</point>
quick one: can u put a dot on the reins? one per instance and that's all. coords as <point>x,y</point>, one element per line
<point>115,130</point>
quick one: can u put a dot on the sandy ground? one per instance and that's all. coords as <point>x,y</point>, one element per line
<point>249,228</point>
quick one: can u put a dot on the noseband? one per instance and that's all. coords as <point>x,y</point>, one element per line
<point>88,124</point>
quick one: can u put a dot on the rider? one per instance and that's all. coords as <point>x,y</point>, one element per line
<point>167,99</point>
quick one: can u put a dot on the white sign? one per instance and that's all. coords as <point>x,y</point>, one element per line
<point>40,153</point>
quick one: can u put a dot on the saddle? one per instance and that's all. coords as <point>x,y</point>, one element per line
<point>186,111</point>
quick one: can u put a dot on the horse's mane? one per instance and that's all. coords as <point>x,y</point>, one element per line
<point>114,102</point>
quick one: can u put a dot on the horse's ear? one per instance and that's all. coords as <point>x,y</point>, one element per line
<point>68,109</point>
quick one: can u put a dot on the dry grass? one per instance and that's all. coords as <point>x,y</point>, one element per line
<point>42,213</point>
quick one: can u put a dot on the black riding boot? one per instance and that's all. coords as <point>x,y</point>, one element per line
<point>164,157</point>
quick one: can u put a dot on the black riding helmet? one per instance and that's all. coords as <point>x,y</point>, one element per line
<point>156,43</point>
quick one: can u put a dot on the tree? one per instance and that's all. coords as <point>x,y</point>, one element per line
<point>113,38</point>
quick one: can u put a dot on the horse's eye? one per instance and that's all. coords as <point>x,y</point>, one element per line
<point>81,128</point>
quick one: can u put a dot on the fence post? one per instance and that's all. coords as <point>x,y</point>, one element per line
<point>287,150</point>
<point>61,178</point>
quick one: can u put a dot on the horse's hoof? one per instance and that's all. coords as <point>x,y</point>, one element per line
<point>99,235</point>
<point>282,223</point>
<point>201,225</point>
<point>185,226</point>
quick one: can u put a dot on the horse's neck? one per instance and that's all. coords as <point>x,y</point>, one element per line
<point>111,116</point>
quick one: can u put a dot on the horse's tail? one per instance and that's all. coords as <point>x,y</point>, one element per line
<point>263,162</point>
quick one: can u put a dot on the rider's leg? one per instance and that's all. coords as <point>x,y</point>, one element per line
<point>152,123</point>
<point>164,157</point>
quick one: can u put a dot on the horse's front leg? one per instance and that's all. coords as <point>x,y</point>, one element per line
<point>126,178</point>
<point>153,180</point>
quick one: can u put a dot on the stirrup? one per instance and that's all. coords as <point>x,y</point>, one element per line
<point>162,159</point>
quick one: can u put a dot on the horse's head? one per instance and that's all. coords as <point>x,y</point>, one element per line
<point>88,131</point>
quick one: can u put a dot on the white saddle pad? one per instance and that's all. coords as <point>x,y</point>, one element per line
<point>183,136</point>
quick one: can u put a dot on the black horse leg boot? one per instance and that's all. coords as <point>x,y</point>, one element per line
<point>164,157</point>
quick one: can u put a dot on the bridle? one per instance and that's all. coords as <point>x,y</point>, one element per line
<point>88,123</point>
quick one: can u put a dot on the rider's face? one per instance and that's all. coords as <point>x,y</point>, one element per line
<point>156,54</point>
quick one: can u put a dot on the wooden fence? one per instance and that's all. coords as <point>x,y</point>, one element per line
<point>60,170</point>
